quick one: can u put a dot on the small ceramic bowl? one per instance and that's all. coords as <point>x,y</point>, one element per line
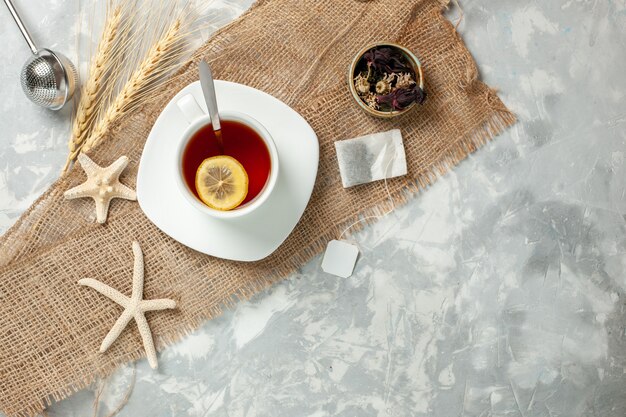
<point>411,58</point>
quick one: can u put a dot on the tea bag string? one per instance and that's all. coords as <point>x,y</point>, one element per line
<point>99,391</point>
<point>393,204</point>
<point>461,15</point>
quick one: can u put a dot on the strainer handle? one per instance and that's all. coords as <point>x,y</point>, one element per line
<point>20,25</point>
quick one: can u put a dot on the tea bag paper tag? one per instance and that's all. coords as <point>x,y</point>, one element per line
<point>340,258</point>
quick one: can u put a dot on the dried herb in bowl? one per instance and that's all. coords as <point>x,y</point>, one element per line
<point>387,80</point>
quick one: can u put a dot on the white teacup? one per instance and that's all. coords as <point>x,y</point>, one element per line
<point>197,119</point>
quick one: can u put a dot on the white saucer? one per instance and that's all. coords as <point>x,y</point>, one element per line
<point>258,234</point>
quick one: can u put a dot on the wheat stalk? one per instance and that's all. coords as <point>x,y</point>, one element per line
<point>157,62</point>
<point>91,91</point>
<point>143,43</point>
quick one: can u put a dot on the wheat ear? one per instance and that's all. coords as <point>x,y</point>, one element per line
<point>148,72</point>
<point>91,91</point>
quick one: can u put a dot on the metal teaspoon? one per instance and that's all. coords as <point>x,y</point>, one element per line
<point>208,89</point>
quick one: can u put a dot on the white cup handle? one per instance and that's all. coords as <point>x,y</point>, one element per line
<point>190,108</point>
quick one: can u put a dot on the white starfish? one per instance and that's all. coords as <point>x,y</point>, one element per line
<point>103,185</point>
<point>135,307</point>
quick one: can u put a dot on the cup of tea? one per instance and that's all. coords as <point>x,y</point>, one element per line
<point>244,139</point>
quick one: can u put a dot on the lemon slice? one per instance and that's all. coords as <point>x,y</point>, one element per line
<point>221,182</point>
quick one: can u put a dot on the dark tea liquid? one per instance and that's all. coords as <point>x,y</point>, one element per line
<point>241,142</point>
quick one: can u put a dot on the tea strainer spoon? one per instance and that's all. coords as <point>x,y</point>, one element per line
<point>48,78</point>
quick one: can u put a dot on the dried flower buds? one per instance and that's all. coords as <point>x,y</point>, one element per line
<point>404,80</point>
<point>361,84</point>
<point>401,98</point>
<point>385,80</point>
<point>386,59</point>
<point>384,86</point>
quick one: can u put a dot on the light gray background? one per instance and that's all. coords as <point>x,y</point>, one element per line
<point>497,292</point>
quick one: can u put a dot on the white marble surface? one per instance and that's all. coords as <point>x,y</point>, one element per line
<point>498,292</point>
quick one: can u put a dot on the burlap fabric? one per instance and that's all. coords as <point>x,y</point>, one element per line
<point>298,51</point>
